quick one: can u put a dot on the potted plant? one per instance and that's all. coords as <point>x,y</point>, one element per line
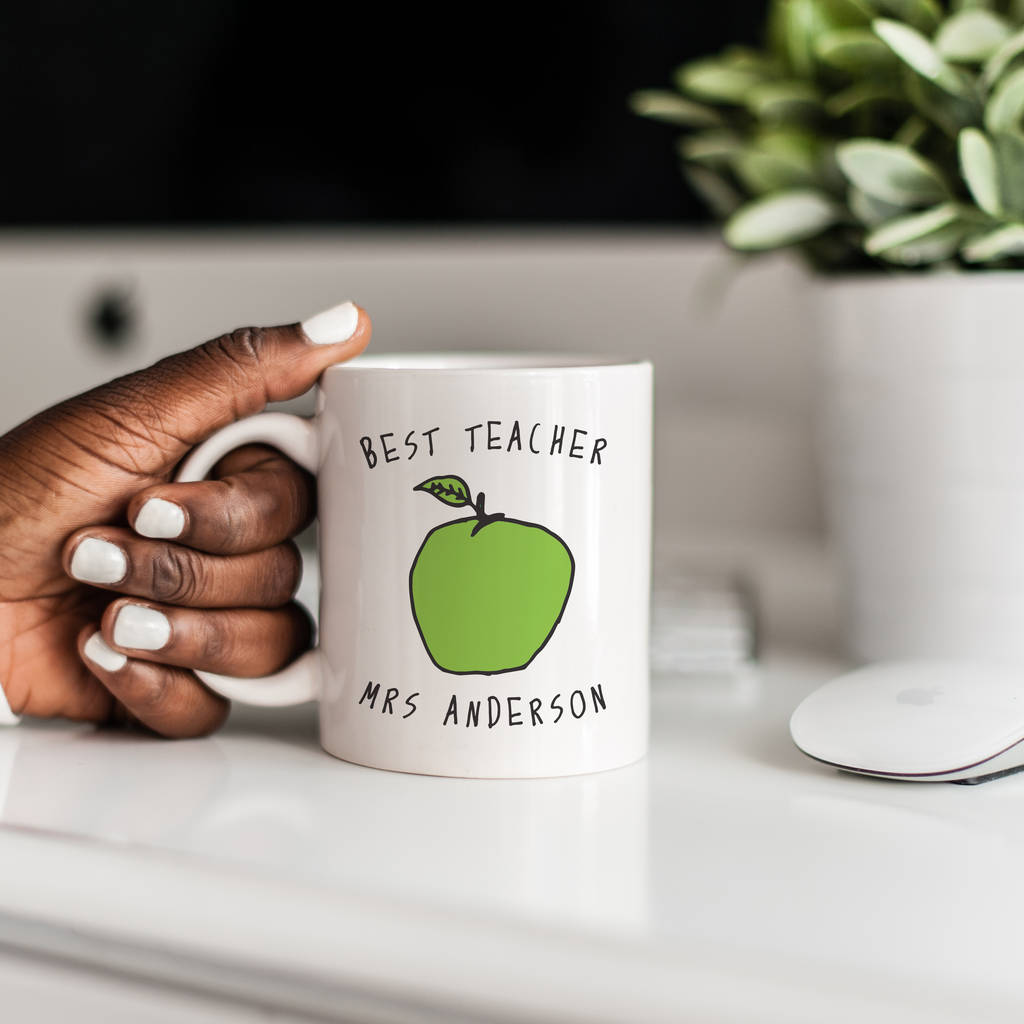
<point>884,141</point>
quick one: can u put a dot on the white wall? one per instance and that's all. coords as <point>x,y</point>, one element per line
<point>733,354</point>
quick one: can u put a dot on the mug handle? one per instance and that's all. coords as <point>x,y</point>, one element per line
<point>298,439</point>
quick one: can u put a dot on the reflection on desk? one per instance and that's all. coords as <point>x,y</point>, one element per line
<point>262,794</point>
<point>725,877</point>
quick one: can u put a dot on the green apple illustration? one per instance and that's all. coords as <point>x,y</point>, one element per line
<point>487,592</point>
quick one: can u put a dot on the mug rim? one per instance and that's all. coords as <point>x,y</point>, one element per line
<point>500,361</point>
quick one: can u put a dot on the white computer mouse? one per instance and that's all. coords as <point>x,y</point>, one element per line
<point>926,721</point>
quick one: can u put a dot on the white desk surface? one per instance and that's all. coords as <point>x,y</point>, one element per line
<point>727,877</point>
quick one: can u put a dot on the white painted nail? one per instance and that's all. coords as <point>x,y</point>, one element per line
<point>142,629</point>
<point>98,561</point>
<point>332,325</point>
<point>100,654</point>
<point>160,518</point>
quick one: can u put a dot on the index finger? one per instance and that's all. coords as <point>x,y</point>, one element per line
<point>260,499</point>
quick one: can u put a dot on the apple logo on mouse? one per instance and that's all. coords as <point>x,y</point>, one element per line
<point>487,592</point>
<point>919,695</point>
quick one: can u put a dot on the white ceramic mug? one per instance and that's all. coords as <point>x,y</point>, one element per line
<point>484,535</point>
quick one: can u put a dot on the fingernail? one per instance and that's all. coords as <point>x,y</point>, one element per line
<point>161,519</point>
<point>100,654</point>
<point>332,325</point>
<point>141,628</point>
<point>98,561</point>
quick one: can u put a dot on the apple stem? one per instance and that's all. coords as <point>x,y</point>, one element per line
<point>482,518</point>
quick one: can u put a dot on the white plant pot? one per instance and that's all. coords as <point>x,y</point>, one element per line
<point>923,461</point>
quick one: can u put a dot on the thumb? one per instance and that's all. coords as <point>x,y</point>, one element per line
<point>153,417</point>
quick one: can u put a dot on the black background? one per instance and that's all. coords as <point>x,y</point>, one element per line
<point>226,112</point>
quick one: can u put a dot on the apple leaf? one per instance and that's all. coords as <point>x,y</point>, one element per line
<point>452,490</point>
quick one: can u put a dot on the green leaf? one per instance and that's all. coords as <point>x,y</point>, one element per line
<point>721,198</point>
<point>891,172</point>
<point>779,159</point>
<point>1009,148</point>
<point>452,490</point>
<point>1005,241</point>
<point>911,132</point>
<point>1005,107</point>
<point>795,144</point>
<point>869,210</point>
<point>971,36</point>
<point>850,13</point>
<point>803,22</point>
<point>784,100</point>
<point>715,80</point>
<point>782,219</point>
<point>939,247</point>
<point>859,94</point>
<point>662,105</point>
<point>924,15</point>
<point>747,58</point>
<point>855,50</point>
<point>715,147</point>
<point>925,237</point>
<point>946,111</point>
<point>763,171</point>
<point>1010,50</point>
<point>980,169</point>
<point>918,53</point>
<point>793,35</point>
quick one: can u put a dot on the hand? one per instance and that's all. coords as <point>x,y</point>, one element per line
<point>210,587</point>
